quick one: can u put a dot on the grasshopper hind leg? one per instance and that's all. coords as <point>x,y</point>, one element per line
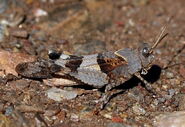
<point>110,93</point>
<point>106,97</point>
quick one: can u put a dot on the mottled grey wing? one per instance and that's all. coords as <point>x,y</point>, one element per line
<point>91,77</point>
<point>91,69</point>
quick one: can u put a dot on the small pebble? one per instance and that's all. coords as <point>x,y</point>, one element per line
<point>74,117</point>
<point>131,22</point>
<point>40,12</point>
<point>169,75</point>
<point>107,115</point>
<point>59,94</point>
<point>174,119</point>
<point>161,100</point>
<point>171,92</point>
<point>137,109</point>
<point>9,110</point>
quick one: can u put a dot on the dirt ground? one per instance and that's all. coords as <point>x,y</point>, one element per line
<point>29,29</point>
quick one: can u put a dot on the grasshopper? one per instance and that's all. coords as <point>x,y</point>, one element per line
<point>108,69</point>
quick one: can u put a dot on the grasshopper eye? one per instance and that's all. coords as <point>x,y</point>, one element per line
<point>53,54</point>
<point>145,52</point>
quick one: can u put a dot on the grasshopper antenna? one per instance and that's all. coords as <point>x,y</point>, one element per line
<point>160,36</point>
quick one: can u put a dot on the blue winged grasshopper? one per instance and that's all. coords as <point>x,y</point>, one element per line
<point>108,69</point>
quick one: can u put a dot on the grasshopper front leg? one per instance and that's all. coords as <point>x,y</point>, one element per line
<point>147,85</point>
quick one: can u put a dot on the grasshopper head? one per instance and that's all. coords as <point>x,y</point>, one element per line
<point>146,57</point>
<point>146,52</point>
